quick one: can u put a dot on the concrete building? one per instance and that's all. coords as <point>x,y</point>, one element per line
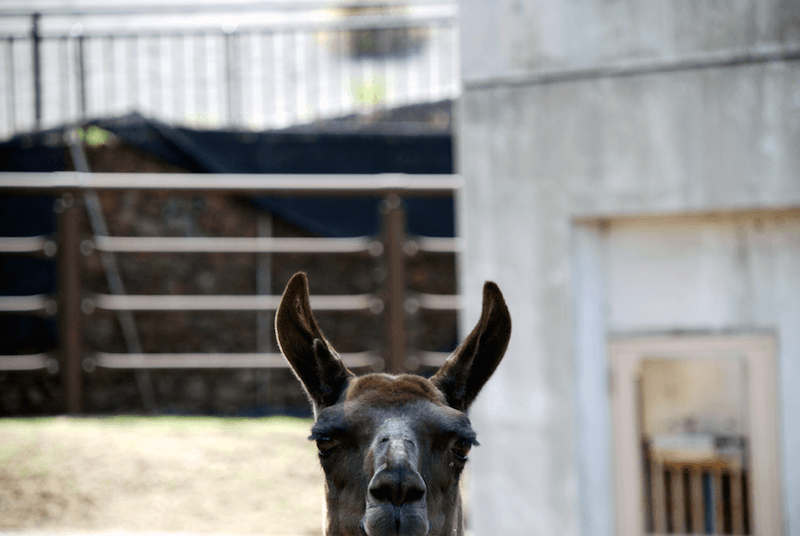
<point>633,185</point>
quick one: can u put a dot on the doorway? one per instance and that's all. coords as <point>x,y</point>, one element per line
<point>695,432</point>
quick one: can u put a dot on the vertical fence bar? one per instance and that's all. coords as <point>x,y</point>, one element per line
<point>81,79</point>
<point>133,73</point>
<point>109,75</point>
<point>63,77</point>
<point>69,307</point>
<point>100,228</point>
<point>267,67</point>
<point>313,73</point>
<point>228,59</point>
<point>232,92</point>
<point>291,95</point>
<point>155,62</point>
<point>11,85</point>
<point>394,222</point>
<point>265,320</point>
<point>37,69</point>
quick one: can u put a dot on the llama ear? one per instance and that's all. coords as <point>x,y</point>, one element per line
<point>466,371</point>
<point>314,361</point>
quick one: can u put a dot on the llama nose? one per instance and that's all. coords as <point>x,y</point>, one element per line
<point>397,481</point>
<point>397,485</point>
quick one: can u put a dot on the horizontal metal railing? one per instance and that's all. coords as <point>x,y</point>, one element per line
<point>286,185</point>
<point>189,360</point>
<point>205,244</point>
<point>436,302</point>
<point>37,304</point>
<point>28,245</point>
<point>73,302</point>
<point>31,362</point>
<point>171,302</point>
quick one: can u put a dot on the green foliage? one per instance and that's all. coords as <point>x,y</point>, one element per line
<point>94,136</point>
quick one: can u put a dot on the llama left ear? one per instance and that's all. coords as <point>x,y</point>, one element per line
<point>466,371</point>
<point>313,359</point>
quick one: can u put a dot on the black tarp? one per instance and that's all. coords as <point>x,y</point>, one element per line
<point>28,216</point>
<point>207,151</point>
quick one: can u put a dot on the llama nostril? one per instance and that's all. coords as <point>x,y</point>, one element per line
<point>382,492</point>
<point>414,494</point>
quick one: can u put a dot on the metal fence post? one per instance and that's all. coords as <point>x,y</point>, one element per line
<point>80,61</point>
<point>69,300</point>
<point>37,69</point>
<point>394,227</point>
<point>232,87</point>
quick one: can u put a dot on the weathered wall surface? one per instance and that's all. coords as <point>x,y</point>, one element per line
<point>713,273</point>
<point>510,38</point>
<point>554,152</point>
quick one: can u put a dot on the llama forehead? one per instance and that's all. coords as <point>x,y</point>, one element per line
<point>374,401</point>
<point>384,390</point>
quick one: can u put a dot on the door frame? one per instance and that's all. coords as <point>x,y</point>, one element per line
<point>759,353</point>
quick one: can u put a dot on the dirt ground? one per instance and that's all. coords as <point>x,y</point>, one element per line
<point>163,474</point>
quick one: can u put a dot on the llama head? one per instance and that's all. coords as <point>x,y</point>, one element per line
<point>392,446</point>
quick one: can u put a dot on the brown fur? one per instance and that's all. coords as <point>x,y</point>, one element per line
<point>383,390</point>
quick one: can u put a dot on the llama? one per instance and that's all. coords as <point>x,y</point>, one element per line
<point>392,447</point>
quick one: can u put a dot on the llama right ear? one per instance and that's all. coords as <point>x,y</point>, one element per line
<point>466,371</point>
<point>313,360</point>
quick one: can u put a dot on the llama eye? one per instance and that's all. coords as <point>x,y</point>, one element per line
<point>461,449</point>
<point>325,446</point>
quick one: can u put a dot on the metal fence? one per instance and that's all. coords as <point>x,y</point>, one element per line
<point>244,67</point>
<point>74,192</point>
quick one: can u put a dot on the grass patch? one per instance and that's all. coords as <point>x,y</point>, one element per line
<point>159,474</point>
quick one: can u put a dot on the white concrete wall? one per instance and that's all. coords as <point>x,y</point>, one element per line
<point>553,154</point>
<point>711,273</point>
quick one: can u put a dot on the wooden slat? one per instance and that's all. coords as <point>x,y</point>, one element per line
<point>747,492</point>
<point>677,504</point>
<point>659,503</point>
<point>737,502</point>
<point>696,493</point>
<point>719,514</point>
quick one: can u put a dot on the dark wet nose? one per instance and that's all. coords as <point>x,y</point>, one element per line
<point>398,485</point>
<point>397,481</point>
